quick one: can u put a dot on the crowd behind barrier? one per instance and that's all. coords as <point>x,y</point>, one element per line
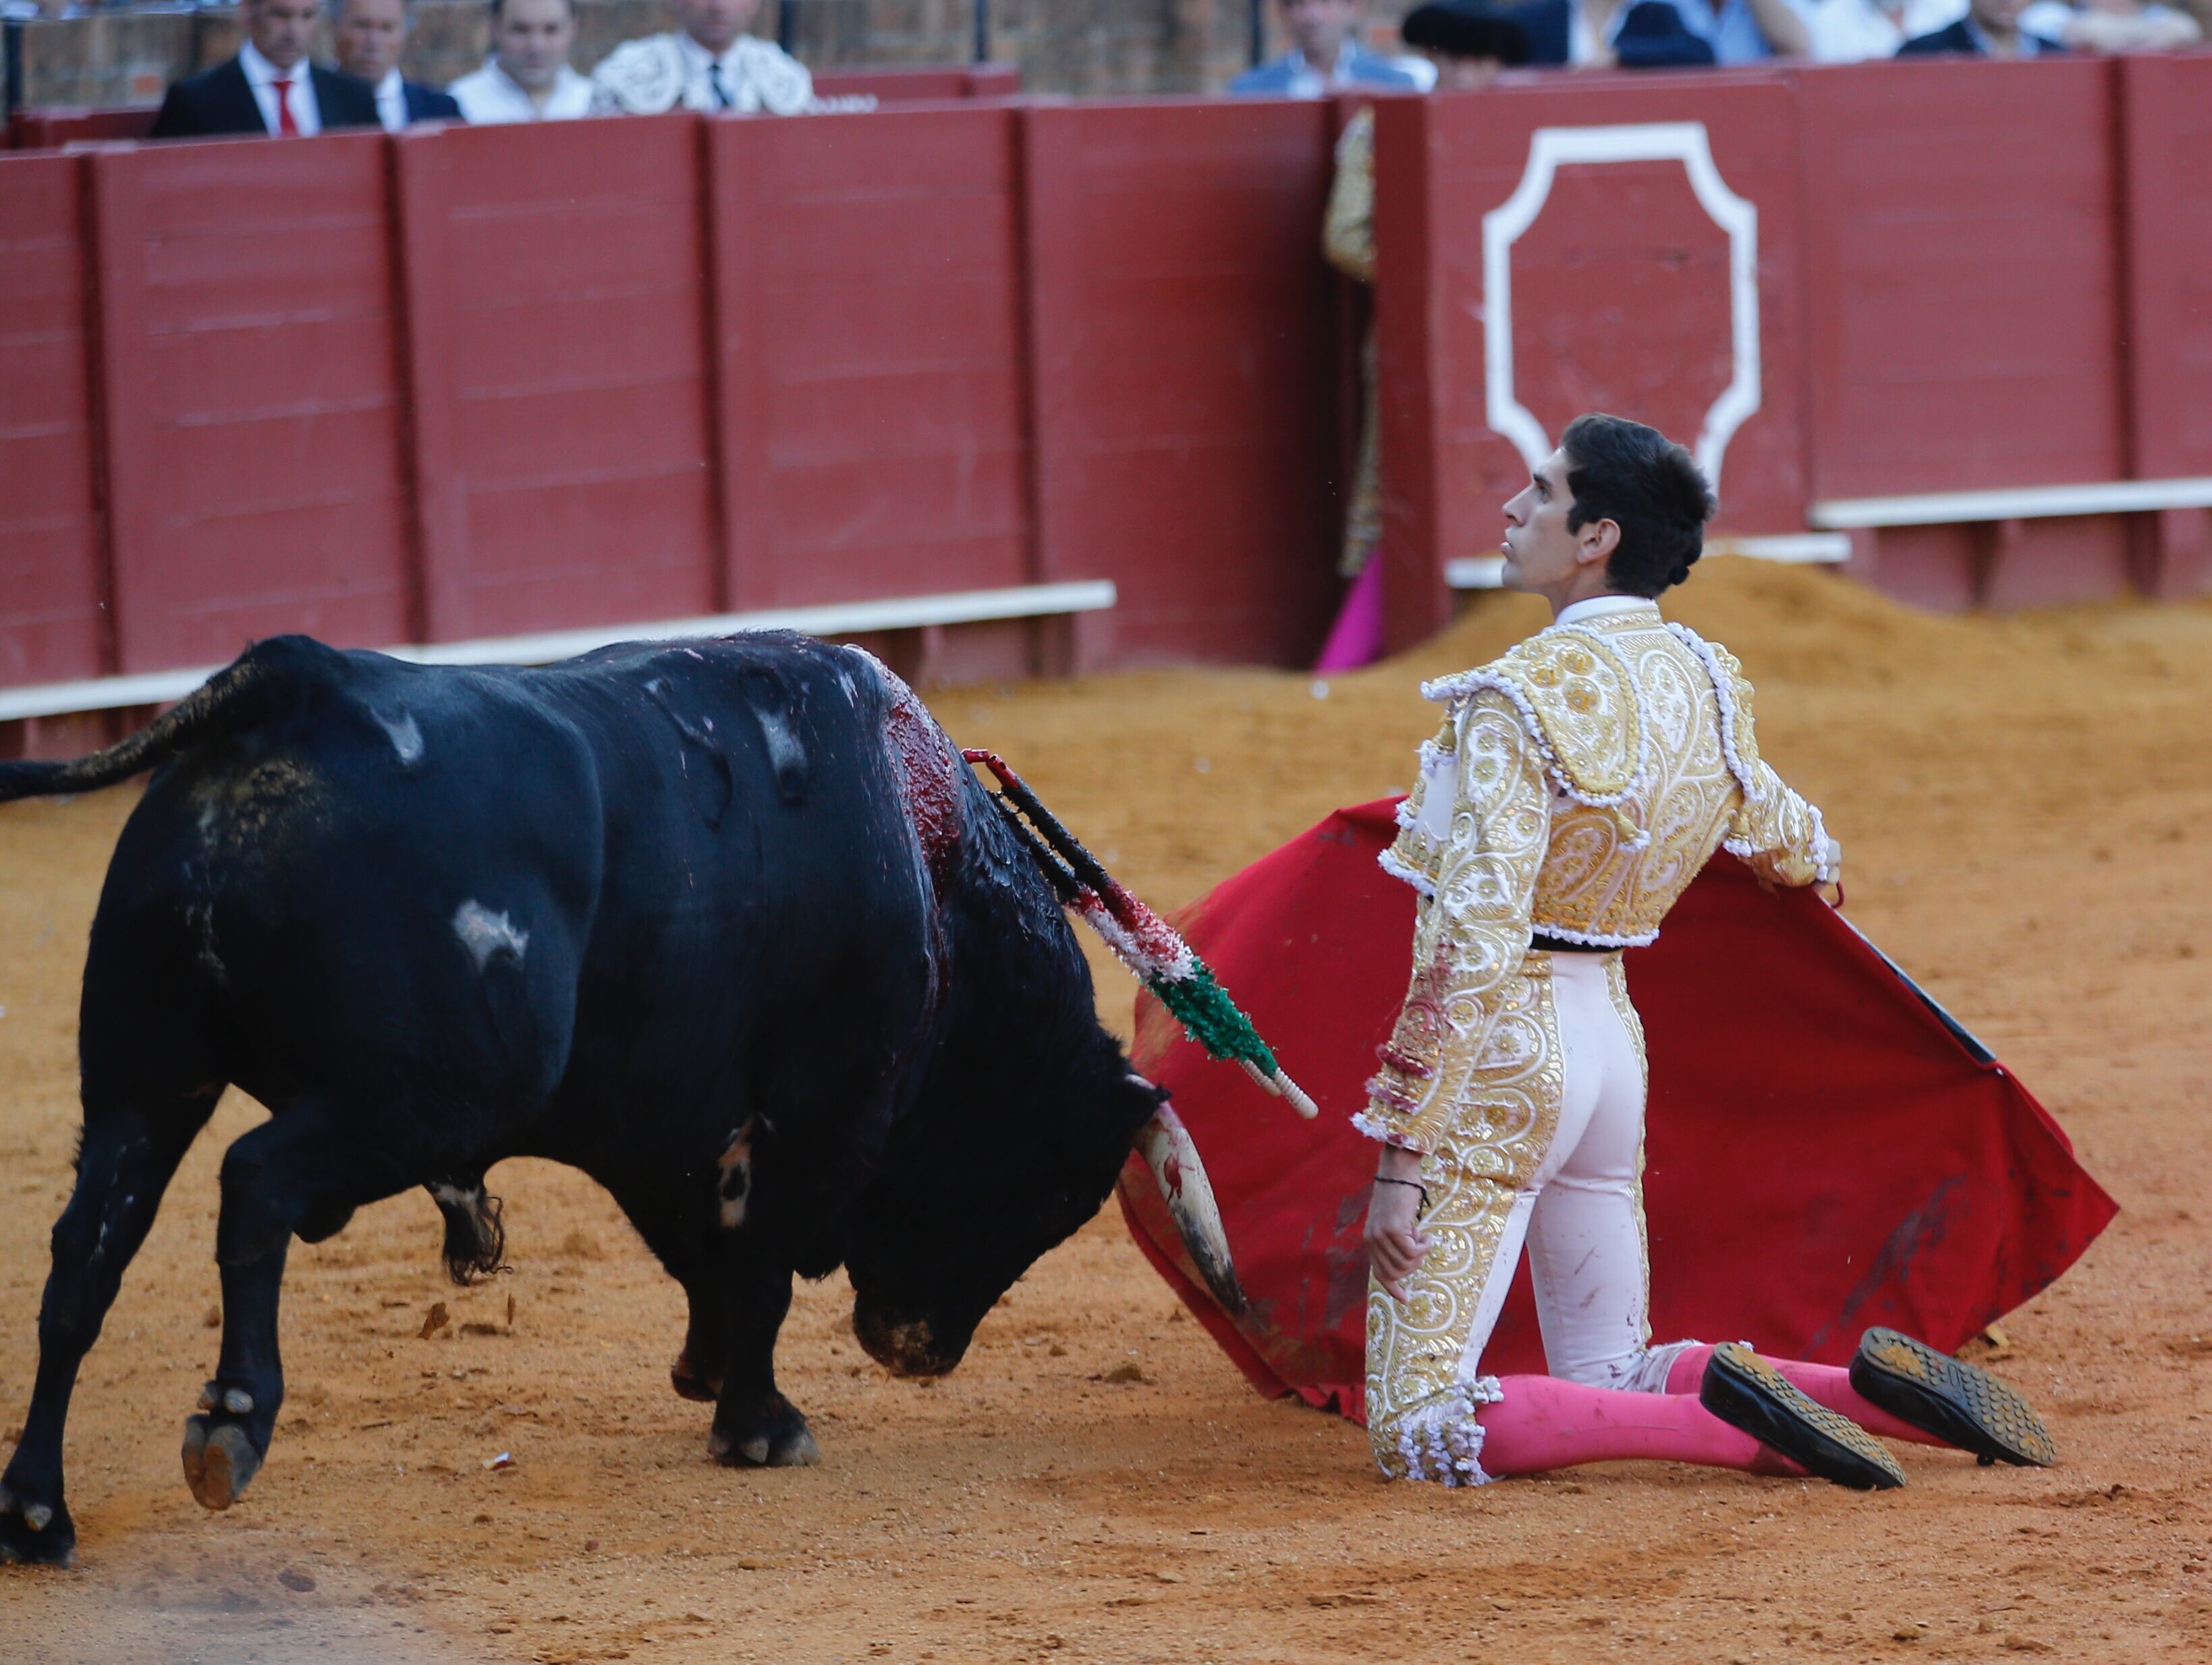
<point>1317,46</point>
<point>457,383</point>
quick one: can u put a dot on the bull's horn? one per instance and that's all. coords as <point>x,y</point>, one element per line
<point>1168,1150</point>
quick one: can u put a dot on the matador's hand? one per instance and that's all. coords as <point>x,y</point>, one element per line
<point>1396,1245</point>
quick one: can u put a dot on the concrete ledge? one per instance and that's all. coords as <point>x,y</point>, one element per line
<point>1937,509</point>
<point>853,618</point>
<point>1485,572</point>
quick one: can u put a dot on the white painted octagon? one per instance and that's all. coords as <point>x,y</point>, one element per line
<point>1551,147</point>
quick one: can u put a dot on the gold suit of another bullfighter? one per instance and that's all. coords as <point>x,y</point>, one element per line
<point>1577,787</point>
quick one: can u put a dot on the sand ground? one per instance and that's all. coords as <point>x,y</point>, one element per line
<point>2027,808</point>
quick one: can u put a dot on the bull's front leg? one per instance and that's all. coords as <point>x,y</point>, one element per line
<point>699,1369</point>
<point>756,1427</point>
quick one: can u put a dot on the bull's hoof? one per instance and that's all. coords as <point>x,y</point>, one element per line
<point>220,1460</point>
<point>690,1383</point>
<point>35,1534</point>
<point>771,1435</point>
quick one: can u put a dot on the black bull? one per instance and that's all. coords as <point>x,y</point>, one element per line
<point>726,926</point>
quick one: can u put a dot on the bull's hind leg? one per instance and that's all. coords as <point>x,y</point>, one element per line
<point>303,1171</point>
<point>129,1151</point>
<point>756,1427</point>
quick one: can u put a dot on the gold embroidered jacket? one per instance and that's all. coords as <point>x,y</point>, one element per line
<point>1577,787</point>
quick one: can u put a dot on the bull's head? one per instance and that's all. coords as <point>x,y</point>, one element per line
<point>942,1243</point>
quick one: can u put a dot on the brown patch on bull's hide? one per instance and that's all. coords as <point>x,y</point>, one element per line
<point>736,1185</point>
<point>248,811</point>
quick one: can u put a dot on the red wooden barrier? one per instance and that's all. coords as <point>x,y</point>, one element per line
<point>476,382</point>
<point>1180,316</point>
<point>868,307</point>
<point>923,83</point>
<point>251,434</point>
<point>556,298</point>
<point>52,579</point>
<point>1965,299</point>
<point>2167,103</point>
<point>1618,247</point>
<point>50,129</point>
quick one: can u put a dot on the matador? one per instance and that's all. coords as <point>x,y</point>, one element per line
<point>1576,788</point>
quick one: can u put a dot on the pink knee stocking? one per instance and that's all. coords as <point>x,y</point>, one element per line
<point>1545,1422</point>
<point>1824,1384</point>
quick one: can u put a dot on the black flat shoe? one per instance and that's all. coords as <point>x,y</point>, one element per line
<point>1961,1404</point>
<point>1745,1392</point>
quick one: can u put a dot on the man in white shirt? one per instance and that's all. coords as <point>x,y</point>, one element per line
<point>1852,31</point>
<point>371,35</point>
<point>709,62</point>
<point>527,77</point>
<point>269,87</point>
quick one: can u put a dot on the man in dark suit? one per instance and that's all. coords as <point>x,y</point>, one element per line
<point>270,86</point>
<point>372,35</point>
<point>1990,28</point>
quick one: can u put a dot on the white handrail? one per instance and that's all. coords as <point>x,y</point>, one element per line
<point>841,618</point>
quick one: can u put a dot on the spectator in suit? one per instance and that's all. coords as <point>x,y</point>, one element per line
<point>1323,57</point>
<point>371,35</point>
<point>270,86</point>
<point>1853,31</point>
<point>1643,34</point>
<point>527,77</point>
<point>1990,28</point>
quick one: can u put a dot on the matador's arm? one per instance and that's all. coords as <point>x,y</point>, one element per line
<point>1471,838</point>
<point>1774,831</point>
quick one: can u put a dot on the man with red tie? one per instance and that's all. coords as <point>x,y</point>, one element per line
<point>270,86</point>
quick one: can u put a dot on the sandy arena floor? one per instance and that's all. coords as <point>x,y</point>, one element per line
<point>2027,806</point>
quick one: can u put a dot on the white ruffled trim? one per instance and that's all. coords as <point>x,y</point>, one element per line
<point>1446,690</point>
<point>1443,1442</point>
<point>1382,1131</point>
<point>1724,690</point>
<point>1826,870</point>
<point>1594,938</point>
<point>1827,867</point>
<point>1398,867</point>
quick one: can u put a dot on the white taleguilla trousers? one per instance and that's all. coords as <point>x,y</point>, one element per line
<point>1583,1219</point>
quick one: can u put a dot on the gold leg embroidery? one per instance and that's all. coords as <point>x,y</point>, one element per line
<point>1616,985</point>
<point>1421,1410</point>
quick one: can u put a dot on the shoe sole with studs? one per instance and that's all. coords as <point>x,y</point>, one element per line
<point>1959,1403</point>
<point>1745,1392</point>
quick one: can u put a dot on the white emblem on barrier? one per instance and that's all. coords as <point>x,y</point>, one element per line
<point>1549,148</point>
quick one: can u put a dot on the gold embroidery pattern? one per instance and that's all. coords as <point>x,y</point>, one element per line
<point>1421,1409</point>
<point>1616,985</point>
<point>1613,869</point>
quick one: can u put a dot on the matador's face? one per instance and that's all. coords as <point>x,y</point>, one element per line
<point>1540,553</point>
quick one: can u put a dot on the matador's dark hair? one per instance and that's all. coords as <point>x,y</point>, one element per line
<point>1647,485</point>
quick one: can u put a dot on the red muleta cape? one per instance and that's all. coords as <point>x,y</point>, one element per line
<point>1825,1149</point>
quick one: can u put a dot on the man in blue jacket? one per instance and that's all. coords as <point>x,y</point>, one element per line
<point>1323,57</point>
<point>372,34</point>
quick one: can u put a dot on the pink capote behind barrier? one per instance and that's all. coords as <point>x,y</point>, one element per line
<point>470,383</point>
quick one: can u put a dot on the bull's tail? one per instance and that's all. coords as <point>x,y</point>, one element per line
<point>213,705</point>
